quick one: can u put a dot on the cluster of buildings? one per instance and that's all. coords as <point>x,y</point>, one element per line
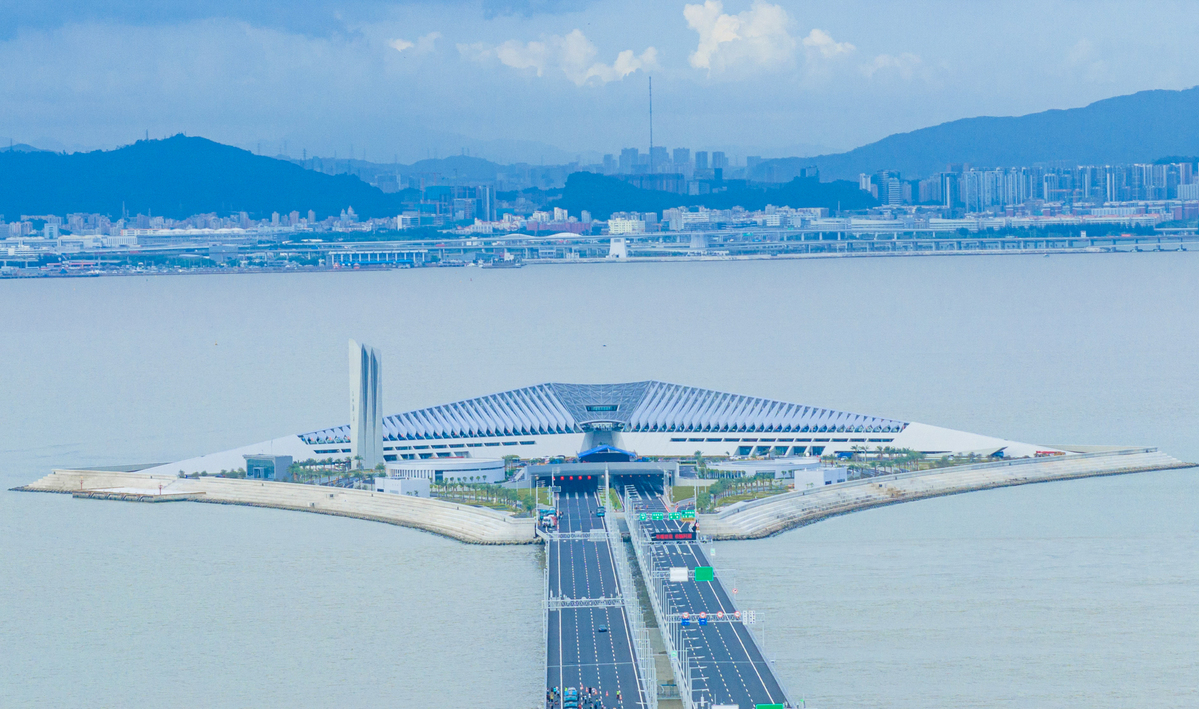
<point>974,190</point>
<point>962,199</point>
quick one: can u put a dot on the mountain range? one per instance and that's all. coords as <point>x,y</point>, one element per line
<point>1140,127</point>
<point>181,176</point>
<point>178,177</point>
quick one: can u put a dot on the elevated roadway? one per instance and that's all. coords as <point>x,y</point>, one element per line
<point>723,662</point>
<point>589,636</point>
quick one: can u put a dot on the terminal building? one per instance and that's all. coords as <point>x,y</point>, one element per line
<point>556,421</point>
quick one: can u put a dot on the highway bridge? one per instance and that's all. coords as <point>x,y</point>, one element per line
<point>715,657</point>
<point>594,633</point>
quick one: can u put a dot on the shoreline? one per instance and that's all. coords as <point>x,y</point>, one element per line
<point>769,516</point>
<point>464,523</point>
<point>17,275</point>
<point>754,519</point>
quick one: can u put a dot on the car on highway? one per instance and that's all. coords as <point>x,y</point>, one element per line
<point>599,512</point>
<point>570,698</point>
<point>602,629</point>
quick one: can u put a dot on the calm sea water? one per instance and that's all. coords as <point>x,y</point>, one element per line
<point>1066,594</point>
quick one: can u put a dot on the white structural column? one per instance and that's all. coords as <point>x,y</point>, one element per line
<point>366,414</point>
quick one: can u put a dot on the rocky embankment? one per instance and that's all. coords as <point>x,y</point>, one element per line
<point>476,525</point>
<point>771,515</point>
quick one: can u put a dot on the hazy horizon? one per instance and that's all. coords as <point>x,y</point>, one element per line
<point>556,80</point>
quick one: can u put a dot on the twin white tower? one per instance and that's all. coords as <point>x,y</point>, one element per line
<point>366,399</point>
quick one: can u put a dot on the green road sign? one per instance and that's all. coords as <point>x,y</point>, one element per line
<point>704,573</point>
<point>768,706</point>
<point>656,516</point>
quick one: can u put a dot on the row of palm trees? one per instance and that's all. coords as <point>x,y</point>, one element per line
<point>471,492</point>
<point>885,460</point>
<point>707,497</point>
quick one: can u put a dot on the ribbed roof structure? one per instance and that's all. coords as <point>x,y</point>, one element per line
<point>648,407</point>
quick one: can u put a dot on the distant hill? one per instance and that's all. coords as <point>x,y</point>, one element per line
<point>178,177</point>
<point>1140,127</point>
<point>20,148</point>
<point>461,167</point>
<point>602,195</point>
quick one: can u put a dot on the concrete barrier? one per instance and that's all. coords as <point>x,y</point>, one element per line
<point>771,515</point>
<point>476,525</point>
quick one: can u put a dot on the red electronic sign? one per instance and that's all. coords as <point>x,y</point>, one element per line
<point>674,536</point>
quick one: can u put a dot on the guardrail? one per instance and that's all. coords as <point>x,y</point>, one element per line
<point>670,620</point>
<point>545,618</point>
<point>669,624</point>
<point>642,647</point>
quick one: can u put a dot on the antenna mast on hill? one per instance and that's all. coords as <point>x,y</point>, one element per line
<point>651,124</point>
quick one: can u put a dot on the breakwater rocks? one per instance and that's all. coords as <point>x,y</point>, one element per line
<point>475,525</point>
<point>771,515</point>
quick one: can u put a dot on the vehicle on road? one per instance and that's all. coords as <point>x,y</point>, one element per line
<point>602,629</point>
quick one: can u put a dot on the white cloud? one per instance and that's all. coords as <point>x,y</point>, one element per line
<point>476,51</point>
<point>904,65</point>
<point>1083,60</point>
<point>819,42</point>
<point>758,36</point>
<point>573,55</point>
<point>423,45</point>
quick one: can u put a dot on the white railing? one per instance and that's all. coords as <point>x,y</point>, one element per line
<point>642,646</point>
<point>545,618</point>
<point>668,621</point>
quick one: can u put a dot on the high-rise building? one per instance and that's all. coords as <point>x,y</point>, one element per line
<point>629,158</point>
<point>485,203</point>
<point>719,161</point>
<point>659,159</point>
<point>701,160</point>
<point>609,164</point>
<point>366,413</point>
<point>682,159</point>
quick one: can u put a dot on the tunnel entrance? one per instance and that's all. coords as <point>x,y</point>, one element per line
<point>590,476</point>
<point>579,483</point>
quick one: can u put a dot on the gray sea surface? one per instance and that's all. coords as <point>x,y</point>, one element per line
<point>1082,593</point>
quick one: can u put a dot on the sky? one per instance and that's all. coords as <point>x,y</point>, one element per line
<point>557,80</point>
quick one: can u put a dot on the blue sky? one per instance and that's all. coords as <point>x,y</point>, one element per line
<point>549,79</point>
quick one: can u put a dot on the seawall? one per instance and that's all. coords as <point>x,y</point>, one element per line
<point>771,515</point>
<point>475,525</point>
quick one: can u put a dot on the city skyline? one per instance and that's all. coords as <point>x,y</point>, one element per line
<point>553,80</point>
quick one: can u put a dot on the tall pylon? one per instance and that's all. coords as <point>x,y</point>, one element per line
<point>366,413</point>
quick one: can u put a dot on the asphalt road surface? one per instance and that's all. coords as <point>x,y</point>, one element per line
<point>577,653</point>
<point>731,667</point>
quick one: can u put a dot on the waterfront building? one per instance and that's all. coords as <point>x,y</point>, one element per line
<point>455,469</point>
<point>265,466</point>
<point>415,487</point>
<point>649,418</point>
<point>626,226</point>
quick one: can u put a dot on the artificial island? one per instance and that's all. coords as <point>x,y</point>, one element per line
<point>585,468</point>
